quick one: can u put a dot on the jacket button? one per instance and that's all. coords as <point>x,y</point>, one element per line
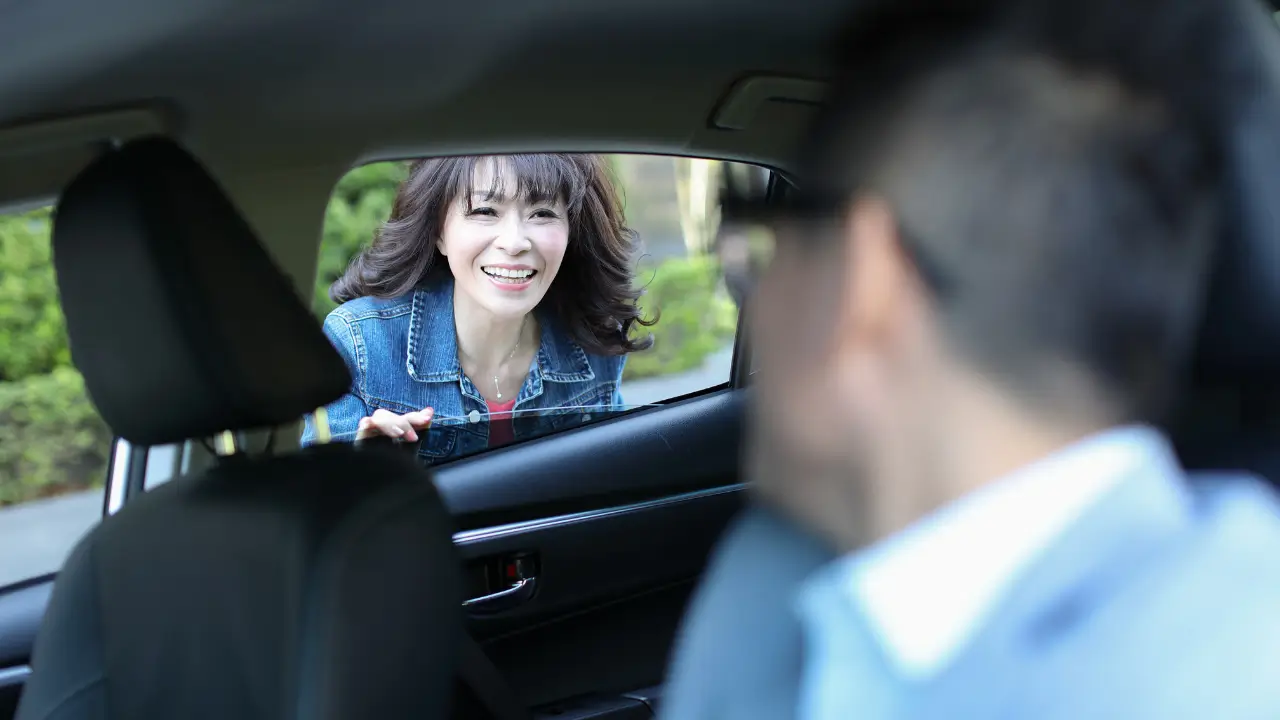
<point>473,416</point>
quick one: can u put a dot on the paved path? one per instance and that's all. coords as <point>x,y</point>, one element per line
<point>648,390</point>
<point>36,537</point>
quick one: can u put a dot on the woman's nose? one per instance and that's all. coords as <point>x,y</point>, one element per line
<point>512,237</point>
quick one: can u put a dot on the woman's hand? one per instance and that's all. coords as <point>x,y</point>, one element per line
<point>388,424</point>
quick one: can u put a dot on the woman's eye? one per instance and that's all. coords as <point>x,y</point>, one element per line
<point>545,214</point>
<point>483,212</point>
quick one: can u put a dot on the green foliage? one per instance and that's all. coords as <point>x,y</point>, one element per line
<point>361,202</point>
<point>54,441</point>
<point>696,317</point>
<point>33,338</point>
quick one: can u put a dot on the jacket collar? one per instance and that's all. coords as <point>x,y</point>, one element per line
<point>433,342</point>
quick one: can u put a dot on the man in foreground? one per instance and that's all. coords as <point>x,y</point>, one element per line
<point>976,314</point>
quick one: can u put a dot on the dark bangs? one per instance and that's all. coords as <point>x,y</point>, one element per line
<point>540,178</point>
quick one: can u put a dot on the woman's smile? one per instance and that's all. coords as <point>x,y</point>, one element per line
<point>510,277</point>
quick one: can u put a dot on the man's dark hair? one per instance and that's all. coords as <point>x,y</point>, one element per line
<point>1055,165</point>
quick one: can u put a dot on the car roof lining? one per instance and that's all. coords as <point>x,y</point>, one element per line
<point>280,99</point>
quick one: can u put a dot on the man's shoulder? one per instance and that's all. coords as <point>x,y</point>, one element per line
<point>1209,620</point>
<point>1235,516</point>
<point>741,646</point>
<point>1220,585</point>
<point>1188,625</point>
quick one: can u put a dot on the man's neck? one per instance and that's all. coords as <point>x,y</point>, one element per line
<point>993,437</point>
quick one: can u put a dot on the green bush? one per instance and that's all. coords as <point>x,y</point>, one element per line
<point>361,202</point>
<point>54,441</point>
<point>696,317</point>
<point>33,336</point>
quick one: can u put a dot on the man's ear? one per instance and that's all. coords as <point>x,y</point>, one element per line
<point>877,277</point>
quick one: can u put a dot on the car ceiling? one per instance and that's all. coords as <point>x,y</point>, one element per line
<point>280,98</point>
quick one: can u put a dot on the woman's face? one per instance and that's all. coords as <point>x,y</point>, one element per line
<point>504,251</point>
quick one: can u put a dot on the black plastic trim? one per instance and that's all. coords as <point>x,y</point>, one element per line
<point>16,675</point>
<point>480,535</point>
<point>695,443</point>
<point>21,611</point>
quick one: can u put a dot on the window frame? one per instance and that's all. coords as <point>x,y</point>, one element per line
<point>131,474</point>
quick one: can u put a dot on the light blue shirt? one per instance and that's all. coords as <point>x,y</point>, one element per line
<point>1102,582</point>
<point>920,595</point>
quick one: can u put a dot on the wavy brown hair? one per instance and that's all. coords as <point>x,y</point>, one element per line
<point>592,296</point>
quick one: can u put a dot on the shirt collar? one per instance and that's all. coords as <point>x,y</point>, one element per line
<point>924,591</point>
<point>433,342</point>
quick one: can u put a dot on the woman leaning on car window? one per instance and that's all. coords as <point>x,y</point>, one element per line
<point>500,284</point>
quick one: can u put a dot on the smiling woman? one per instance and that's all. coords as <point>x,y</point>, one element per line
<point>499,285</point>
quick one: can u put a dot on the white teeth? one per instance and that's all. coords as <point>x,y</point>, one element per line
<point>508,273</point>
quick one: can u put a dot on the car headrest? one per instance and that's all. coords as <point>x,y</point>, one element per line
<point>1240,339</point>
<point>179,320</point>
<point>1230,413</point>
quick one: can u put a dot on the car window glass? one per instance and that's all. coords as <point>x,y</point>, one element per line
<point>54,449</point>
<point>517,296</point>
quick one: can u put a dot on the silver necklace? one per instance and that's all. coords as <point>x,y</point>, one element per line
<point>496,387</point>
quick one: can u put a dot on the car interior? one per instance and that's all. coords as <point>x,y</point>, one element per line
<point>190,149</point>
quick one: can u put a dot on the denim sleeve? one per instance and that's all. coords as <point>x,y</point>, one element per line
<point>346,411</point>
<point>617,403</point>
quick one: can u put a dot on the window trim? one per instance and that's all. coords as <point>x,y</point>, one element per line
<point>126,473</point>
<point>743,349</point>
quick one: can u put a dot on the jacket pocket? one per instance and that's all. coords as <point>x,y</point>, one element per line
<point>437,443</point>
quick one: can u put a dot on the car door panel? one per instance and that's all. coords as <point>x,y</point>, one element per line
<point>642,500</point>
<point>21,608</point>
<point>597,557</point>
<point>617,520</point>
<point>610,594</point>
<point>613,651</point>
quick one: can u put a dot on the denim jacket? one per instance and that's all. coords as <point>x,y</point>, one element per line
<point>403,357</point>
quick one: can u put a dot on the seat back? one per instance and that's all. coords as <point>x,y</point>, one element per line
<point>1230,415</point>
<point>321,584</point>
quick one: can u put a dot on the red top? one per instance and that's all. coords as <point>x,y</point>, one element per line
<point>501,429</point>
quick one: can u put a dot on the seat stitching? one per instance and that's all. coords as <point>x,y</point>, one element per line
<point>74,694</point>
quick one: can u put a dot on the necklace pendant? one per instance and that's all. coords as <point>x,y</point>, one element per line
<point>496,387</point>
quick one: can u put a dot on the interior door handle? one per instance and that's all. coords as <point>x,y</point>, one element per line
<point>519,593</point>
